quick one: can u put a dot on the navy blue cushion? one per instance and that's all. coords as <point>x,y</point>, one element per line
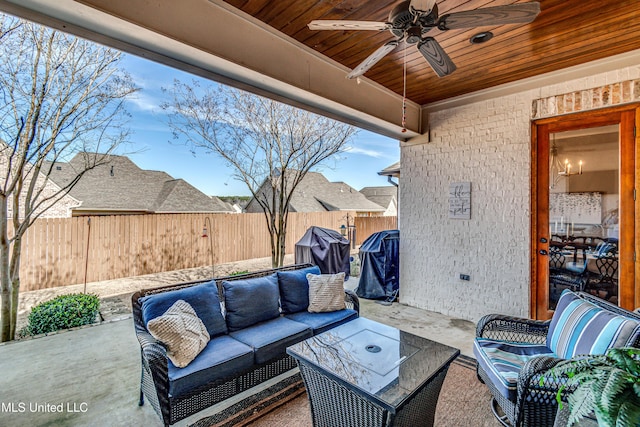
<point>251,301</point>
<point>203,298</point>
<point>502,361</point>
<point>270,339</point>
<point>294,289</point>
<point>223,357</point>
<point>321,322</point>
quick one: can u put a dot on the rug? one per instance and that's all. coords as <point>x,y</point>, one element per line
<point>464,402</point>
<point>253,407</point>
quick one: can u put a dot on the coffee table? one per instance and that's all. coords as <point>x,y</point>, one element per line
<point>364,373</point>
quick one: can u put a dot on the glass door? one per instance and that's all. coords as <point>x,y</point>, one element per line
<point>584,221</point>
<point>583,234</point>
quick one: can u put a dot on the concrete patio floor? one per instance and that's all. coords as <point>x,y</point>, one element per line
<point>90,376</point>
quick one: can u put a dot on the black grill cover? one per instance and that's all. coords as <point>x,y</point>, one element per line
<point>379,266</point>
<point>325,248</point>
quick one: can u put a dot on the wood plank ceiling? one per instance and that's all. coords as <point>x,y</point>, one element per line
<point>565,33</point>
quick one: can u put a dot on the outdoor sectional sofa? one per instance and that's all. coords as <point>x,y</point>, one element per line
<point>251,320</point>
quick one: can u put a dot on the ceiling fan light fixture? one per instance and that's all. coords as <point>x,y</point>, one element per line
<point>481,37</point>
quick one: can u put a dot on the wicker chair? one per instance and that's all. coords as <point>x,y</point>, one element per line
<point>606,280</point>
<point>523,347</point>
<point>562,277</point>
<point>154,382</point>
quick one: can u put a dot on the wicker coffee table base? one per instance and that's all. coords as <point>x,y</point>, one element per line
<point>334,404</point>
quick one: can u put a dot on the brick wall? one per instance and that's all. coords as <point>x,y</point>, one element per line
<point>47,188</point>
<point>486,143</point>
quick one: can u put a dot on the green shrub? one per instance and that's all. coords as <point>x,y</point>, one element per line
<point>237,273</point>
<point>63,312</point>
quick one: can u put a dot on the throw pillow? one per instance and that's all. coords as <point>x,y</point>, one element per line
<point>182,331</point>
<point>203,298</point>
<point>294,289</point>
<point>326,292</point>
<point>581,327</point>
<point>251,301</point>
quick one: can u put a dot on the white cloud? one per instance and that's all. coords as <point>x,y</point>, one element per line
<point>145,102</point>
<point>371,153</point>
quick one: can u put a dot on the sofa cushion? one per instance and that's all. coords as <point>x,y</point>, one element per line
<point>180,329</point>
<point>223,357</point>
<point>321,322</point>
<point>326,292</point>
<point>203,298</point>
<point>502,361</point>
<point>294,289</point>
<point>251,301</point>
<point>581,327</point>
<point>271,338</point>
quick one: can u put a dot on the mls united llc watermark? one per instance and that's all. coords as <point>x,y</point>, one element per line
<point>33,407</point>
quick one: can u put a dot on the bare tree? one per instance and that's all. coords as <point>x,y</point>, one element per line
<point>61,96</point>
<point>270,146</point>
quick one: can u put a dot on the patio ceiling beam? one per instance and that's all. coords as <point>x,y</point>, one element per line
<point>216,41</point>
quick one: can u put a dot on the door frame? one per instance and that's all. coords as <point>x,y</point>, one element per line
<point>628,119</point>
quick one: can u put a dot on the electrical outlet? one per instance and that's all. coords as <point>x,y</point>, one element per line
<point>465,277</point>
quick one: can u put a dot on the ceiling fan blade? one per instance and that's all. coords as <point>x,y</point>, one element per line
<point>329,24</point>
<point>372,59</point>
<point>421,7</point>
<point>521,13</point>
<point>436,56</point>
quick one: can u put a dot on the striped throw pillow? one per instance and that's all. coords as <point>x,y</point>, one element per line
<point>326,292</point>
<point>580,327</point>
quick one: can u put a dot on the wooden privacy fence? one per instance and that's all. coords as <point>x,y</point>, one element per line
<point>366,226</point>
<point>62,251</point>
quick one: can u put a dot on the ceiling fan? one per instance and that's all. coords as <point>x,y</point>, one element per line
<point>411,20</point>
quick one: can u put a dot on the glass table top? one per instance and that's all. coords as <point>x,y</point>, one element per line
<point>387,364</point>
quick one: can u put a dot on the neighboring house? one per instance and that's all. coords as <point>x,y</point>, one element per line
<point>237,203</point>
<point>62,208</point>
<point>317,194</point>
<point>119,187</point>
<point>391,171</point>
<point>385,196</point>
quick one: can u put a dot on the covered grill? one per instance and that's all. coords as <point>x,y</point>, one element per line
<point>379,273</point>
<point>325,248</point>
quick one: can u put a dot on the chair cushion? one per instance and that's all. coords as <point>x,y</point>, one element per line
<point>251,301</point>
<point>581,327</point>
<point>180,329</point>
<point>271,338</point>
<point>326,292</point>
<point>203,298</point>
<point>294,289</point>
<point>223,357</point>
<point>502,361</point>
<point>321,322</point>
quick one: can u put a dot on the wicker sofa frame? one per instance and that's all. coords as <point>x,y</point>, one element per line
<point>536,404</point>
<point>154,381</point>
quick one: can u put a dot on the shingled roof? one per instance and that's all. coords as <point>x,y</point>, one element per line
<point>383,195</point>
<point>119,185</point>
<point>317,194</point>
<point>391,170</point>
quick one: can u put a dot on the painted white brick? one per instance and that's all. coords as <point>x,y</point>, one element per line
<point>488,144</point>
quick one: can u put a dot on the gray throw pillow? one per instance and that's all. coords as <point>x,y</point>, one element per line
<point>326,292</point>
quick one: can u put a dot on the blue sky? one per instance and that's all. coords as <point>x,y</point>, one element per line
<point>153,147</point>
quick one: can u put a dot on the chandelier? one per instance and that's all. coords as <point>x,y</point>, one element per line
<point>557,169</point>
